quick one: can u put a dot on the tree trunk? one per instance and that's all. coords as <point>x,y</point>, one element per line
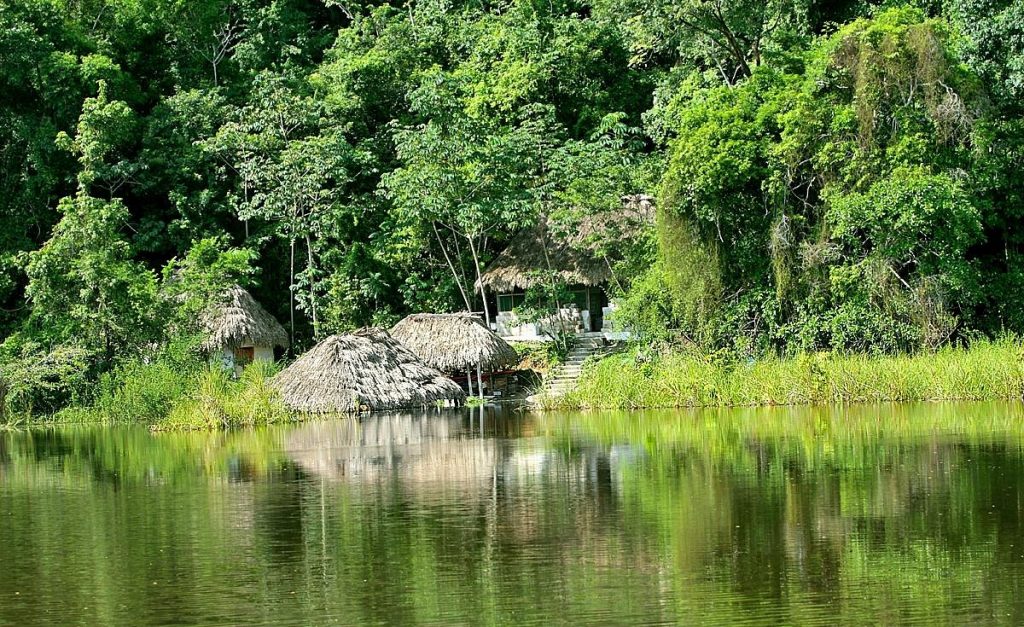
<point>312,287</point>
<point>479,382</point>
<point>563,341</point>
<point>451,267</point>
<point>483,292</point>
<point>291,291</point>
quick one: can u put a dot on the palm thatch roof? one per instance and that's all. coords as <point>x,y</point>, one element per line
<point>238,320</point>
<point>367,369</point>
<point>534,255</point>
<point>573,253</point>
<point>454,342</point>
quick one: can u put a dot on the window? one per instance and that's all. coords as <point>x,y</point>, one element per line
<point>244,355</point>
<point>508,302</point>
<point>579,297</point>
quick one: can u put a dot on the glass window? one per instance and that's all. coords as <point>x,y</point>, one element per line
<point>508,302</point>
<point>579,297</point>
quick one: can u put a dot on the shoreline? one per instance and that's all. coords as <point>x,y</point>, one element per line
<point>984,371</point>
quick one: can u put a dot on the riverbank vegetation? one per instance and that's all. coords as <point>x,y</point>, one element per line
<point>828,176</point>
<point>986,370</point>
<point>177,390</point>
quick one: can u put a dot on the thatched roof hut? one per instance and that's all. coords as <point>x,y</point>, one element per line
<point>521,264</point>
<point>454,342</point>
<point>367,369</point>
<point>239,321</point>
<point>569,251</point>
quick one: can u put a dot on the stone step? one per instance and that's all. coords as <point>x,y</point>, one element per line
<point>564,378</point>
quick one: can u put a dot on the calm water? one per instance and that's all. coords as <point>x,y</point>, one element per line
<point>869,515</point>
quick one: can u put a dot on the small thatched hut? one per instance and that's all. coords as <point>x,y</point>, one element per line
<point>366,370</point>
<point>454,342</point>
<point>240,331</point>
<point>457,342</point>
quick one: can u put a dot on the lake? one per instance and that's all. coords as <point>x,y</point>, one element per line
<point>863,515</point>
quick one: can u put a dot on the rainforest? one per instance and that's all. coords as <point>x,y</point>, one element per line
<point>835,177</point>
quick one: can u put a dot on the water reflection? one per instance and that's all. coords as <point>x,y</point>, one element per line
<point>873,514</point>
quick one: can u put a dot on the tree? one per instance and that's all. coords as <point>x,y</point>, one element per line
<point>84,288</point>
<point>469,182</point>
<point>731,38</point>
<point>291,176</point>
<point>83,285</point>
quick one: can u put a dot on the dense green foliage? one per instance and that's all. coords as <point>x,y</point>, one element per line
<point>851,195</point>
<point>829,175</point>
<point>175,389</point>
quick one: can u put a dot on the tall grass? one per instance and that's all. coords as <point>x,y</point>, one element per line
<point>176,390</point>
<point>987,370</point>
<point>219,401</point>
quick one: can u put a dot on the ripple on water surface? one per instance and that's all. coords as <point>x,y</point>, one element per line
<point>891,514</point>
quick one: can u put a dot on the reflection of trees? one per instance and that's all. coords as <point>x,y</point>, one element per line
<point>797,516</point>
<point>842,508</point>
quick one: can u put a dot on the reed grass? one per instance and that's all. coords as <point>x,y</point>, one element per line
<point>986,370</point>
<point>176,392</point>
<point>218,401</point>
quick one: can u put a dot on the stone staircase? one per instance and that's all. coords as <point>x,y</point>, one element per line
<point>563,379</point>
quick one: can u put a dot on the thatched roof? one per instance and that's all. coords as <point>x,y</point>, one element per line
<point>238,320</point>
<point>368,368</point>
<point>572,252</point>
<point>525,261</point>
<point>454,342</point>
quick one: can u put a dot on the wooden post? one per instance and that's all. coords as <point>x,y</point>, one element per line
<point>479,382</point>
<point>469,380</point>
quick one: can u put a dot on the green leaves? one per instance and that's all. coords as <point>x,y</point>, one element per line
<point>914,220</point>
<point>106,129</point>
<point>84,288</point>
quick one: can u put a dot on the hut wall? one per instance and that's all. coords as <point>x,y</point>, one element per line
<point>225,357</point>
<point>583,314</point>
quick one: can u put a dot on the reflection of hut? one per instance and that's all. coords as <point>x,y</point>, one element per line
<point>367,370</point>
<point>240,331</point>
<point>455,343</point>
<point>427,454</point>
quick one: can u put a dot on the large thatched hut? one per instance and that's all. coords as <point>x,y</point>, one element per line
<point>367,370</point>
<point>577,255</point>
<point>459,342</point>
<point>239,330</point>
